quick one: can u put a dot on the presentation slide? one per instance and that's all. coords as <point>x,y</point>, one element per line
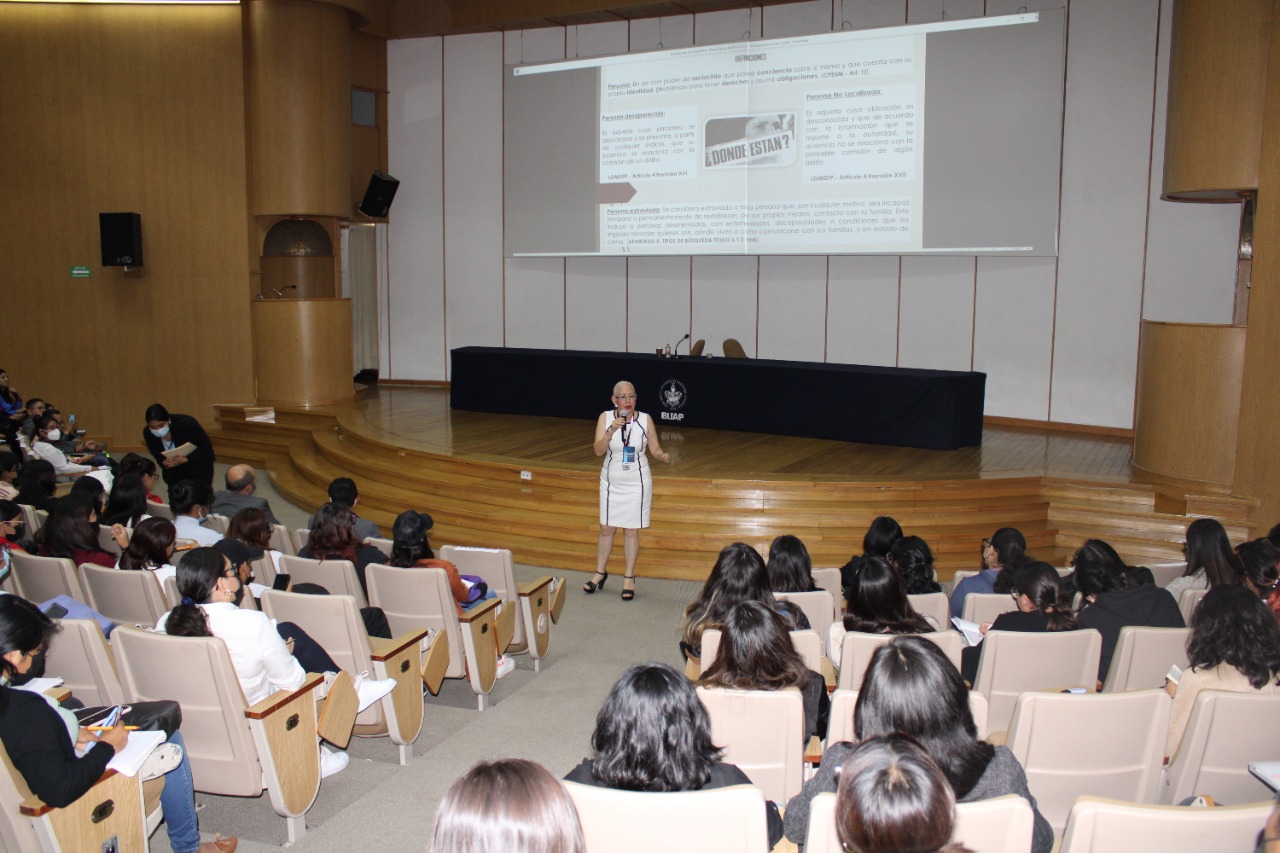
<point>941,138</point>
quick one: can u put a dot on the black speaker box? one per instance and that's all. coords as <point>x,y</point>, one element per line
<point>377,199</point>
<point>121,239</point>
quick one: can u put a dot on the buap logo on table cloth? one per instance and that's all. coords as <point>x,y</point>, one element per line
<point>673,395</point>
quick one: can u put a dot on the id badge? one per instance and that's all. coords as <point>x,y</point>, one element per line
<point>628,458</point>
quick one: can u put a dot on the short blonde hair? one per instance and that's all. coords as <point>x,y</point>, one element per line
<point>618,386</point>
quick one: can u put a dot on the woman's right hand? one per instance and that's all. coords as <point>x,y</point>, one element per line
<point>117,737</point>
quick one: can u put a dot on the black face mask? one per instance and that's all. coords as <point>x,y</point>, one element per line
<point>239,594</point>
<point>36,670</point>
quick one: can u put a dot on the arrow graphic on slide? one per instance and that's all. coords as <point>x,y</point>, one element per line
<point>614,193</point>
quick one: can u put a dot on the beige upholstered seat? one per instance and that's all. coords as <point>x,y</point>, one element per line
<point>337,576</point>
<point>281,540</point>
<point>857,649</point>
<point>300,538</point>
<point>935,606</point>
<point>82,658</point>
<point>128,597</point>
<point>720,820</point>
<point>761,732</point>
<point>1013,663</point>
<point>234,749</point>
<point>383,545</point>
<point>334,622</point>
<point>819,607</point>
<point>1188,601</point>
<point>532,633</point>
<point>999,825</point>
<point>732,348</point>
<point>843,703</point>
<point>821,836</point>
<point>829,580</point>
<point>1226,731</point>
<point>160,510</point>
<point>39,579</point>
<point>807,644</point>
<point>416,599</point>
<point>962,574</point>
<point>1165,572</point>
<point>1143,657</point>
<point>31,519</point>
<point>981,607</point>
<point>1105,826</point>
<point>217,523</point>
<point>1106,745</point>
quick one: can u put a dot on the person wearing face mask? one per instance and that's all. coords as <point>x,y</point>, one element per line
<point>190,501</point>
<point>45,445</point>
<point>168,432</point>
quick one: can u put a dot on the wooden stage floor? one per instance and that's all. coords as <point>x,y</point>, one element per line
<point>420,418</point>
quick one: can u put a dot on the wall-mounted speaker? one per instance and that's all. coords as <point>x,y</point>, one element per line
<point>121,239</point>
<point>377,198</point>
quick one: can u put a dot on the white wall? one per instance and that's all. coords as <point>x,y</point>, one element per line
<point>1058,338</point>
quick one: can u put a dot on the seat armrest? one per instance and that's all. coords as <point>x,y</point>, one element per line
<point>382,649</point>
<point>481,610</point>
<point>58,694</point>
<point>33,806</point>
<point>528,589</point>
<point>829,674</point>
<point>813,751</point>
<point>278,700</point>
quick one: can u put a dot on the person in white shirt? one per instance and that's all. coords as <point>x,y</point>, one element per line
<point>44,446</point>
<point>190,500</point>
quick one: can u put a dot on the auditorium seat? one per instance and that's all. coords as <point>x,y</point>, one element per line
<point>1012,663</point>
<point>81,656</point>
<point>857,649</point>
<point>719,820</point>
<point>39,579</point>
<point>1225,732</point>
<point>762,733</point>
<point>1097,825</point>
<point>733,349</point>
<point>1143,657</point>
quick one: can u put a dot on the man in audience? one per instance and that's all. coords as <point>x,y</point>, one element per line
<point>343,491</point>
<point>190,501</point>
<point>241,484</point>
<point>35,409</point>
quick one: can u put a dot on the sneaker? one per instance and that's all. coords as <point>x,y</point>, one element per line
<point>371,690</point>
<point>505,665</point>
<point>332,762</point>
<point>165,757</point>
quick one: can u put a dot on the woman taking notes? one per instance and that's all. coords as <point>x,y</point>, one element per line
<point>626,486</point>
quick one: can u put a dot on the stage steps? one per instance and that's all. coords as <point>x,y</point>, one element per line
<point>551,519</point>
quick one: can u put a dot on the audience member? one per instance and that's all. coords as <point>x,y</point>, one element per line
<point>911,688</point>
<point>738,575</point>
<point>913,560</point>
<point>1234,646</point>
<point>1260,564</point>
<point>93,490</point>
<point>876,542</point>
<point>145,468</point>
<point>9,466</point>
<point>44,445</point>
<point>37,484</point>
<point>170,432</point>
<point>241,483</point>
<point>11,524</point>
<point>654,734</point>
<point>892,798</point>
<point>35,410</point>
<point>756,653</point>
<point>72,533</point>
<point>410,548</point>
<point>1210,560</point>
<point>878,604</point>
<point>190,501</point>
<point>251,527</point>
<point>42,738</point>
<point>1037,589</point>
<point>128,502</point>
<point>343,491</point>
<point>151,549</point>
<point>1001,554</point>
<point>507,806</point>
<point>1110,600</point>
<point>333,537</point>
<point>789,566</point>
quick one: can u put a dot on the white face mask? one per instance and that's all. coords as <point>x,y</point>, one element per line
<point>54,435</point>
<point>160,433</point>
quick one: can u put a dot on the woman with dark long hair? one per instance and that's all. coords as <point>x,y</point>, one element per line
<point>913,560</point>
<point>880,537</point>
<point>756,653</point>
<point>151,549</point>
<point>507,805</point>
<point>146,469</point>
<point>911,688</point>
<point>893,797</point>
<point>9,470</point>
<point>654,734</point>
<point>738,575</point>
<point>789,566</point>
<point>1037,589</point>
<point>72,532</point>
<point>42,739</point>
<point>411,548</point>
<point>128,502</point>
<point>1210,560</point>
<point>1260,565</point>
<point>1002,554</point>
<point>37,484</point>
<point>251,528</point>
<point>878,603</point>
<point>333,537</point>
<point>1234,646</point>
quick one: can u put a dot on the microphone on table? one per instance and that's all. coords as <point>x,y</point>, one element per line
<point>676,351</point>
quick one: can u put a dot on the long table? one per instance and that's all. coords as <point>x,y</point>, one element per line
<point>907,407</point>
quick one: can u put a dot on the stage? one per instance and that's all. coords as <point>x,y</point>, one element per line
<point>531,484</point>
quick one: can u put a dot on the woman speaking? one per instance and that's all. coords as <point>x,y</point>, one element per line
<point>626,487</point>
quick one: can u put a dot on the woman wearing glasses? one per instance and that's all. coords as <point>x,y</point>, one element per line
<point>1042,606</point>
<point>623,436</point>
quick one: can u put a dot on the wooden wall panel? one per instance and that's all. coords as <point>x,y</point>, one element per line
<point>98,117</point>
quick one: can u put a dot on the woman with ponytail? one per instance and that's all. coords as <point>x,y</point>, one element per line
<point>1037,589</point>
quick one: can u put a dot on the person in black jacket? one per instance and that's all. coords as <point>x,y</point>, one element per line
<point>1042,607</point>
<point>165,432</point>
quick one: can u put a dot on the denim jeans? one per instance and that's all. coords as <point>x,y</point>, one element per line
<point>178,800</point>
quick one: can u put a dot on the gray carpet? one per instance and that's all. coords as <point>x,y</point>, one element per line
<point>545,716</point>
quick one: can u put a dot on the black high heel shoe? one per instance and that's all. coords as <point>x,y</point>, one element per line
<point>591,586</point>
<point>629,594</point>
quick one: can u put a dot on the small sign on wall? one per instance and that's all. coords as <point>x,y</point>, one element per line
<point>80,272</point>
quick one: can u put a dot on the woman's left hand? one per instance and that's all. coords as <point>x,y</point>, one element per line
<point>664,457</point>
<point>121,535</point>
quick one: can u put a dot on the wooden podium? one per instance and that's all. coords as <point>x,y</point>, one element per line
<point>302,351</point>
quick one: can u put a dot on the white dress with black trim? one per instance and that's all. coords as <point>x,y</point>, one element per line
<point>626,488</point>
